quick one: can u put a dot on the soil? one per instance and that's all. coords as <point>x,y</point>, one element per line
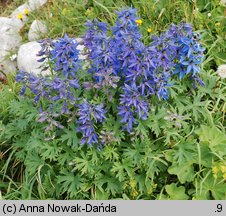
<point>3,3</point>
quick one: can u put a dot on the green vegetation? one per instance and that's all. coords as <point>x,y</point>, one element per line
<point>180,157</point>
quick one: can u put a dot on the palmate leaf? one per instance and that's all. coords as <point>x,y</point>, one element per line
<point>155,164</point>
<point>214,138</point>
<point>182,156</point>
<point>32,162</point>
<point>110,153</point>
<point>176,89</point>
<point>206,156</point>
<point>141,129</point>
<point>101,195</point>
<point>119,171</point>
<point>114,125</point>
<point>156,121</point>
<point>183,152</point>
<point>15,128</point>
<point>69,182</point>
<point>137,151</point>
<point>197,107</point>
<point>176,193</point>
<point>194,106</point>
<point>123,169</point>
<point>143,182</point>
<point>184,172</point>
<point>109,184</point>
<point>23,109</point>
<point>84,165</point>
<point>66,156</point>
<point>209,188</point>
<point>70,136</point>
<point>50,150</point>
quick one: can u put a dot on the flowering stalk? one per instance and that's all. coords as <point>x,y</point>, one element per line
<point>89,114</point>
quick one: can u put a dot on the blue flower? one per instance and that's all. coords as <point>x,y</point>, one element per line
<point>189,52</point>
<point>127,117</point>
<point>65,55</point>
<point>46,46</point>
<point>88,115</point>
<point>132,105</point>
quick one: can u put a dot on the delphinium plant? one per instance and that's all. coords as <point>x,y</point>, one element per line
<point>124,74</point>
<point>132,118</point>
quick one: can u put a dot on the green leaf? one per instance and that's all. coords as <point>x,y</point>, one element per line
<point>184,172</point>
<point>156,121</point>
<point>109,183</point>
<point>101,195</point>
<point>84,165</point>
<point>123,169</point>
<point>70,136</point>
<point>182,152</point>
<point>140,129</point>
<point>214,138</point>
<point>50,150</point>
<point>110,153</point>
<point>32,162</point>
<point>208,187</point>
<point>118,169</point>
<point>176,193</point>
<point>136,151</point>
<point>69,182</point>
<point>206,156</point>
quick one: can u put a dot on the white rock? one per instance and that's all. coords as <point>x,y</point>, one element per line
<point>20,10</point>
<point>35,4</point>
<point>10,41</point>
<point>27,58</point>
<point>6,65</point>
<point>10,25</point>
<point>81,49</point>
<point>37,29</point>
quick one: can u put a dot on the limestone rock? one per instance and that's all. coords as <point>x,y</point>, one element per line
<point>21,10</point>
<point>81,49</point>
<point>35,4</point>
<point>6,65</point>
<point>10,25</point>
<point>10,41</point>
<point>37,29</point>
<point>27,58</point>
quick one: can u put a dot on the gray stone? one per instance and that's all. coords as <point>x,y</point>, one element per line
<point>37,29</point>
<point>10,25</point>
<point>27,59</point>
<point>35,4</point>
<point>21,10</point>
<point>6,65</point>
<point>10,41</point>
<point>81,49</point>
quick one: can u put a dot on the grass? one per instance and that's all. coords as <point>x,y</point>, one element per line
<point>8,6</point>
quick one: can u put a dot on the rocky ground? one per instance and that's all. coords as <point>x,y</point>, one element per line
<point>11,40</point>
<point>14,53</point>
